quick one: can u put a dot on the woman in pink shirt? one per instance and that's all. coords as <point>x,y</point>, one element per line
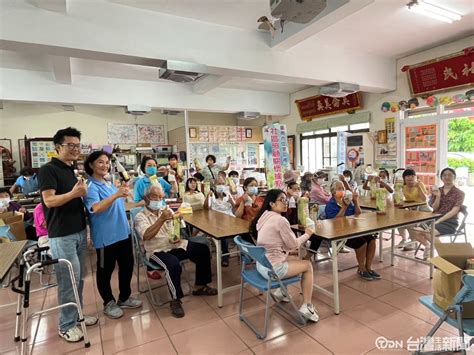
<point>318,194</point>
<point>273,232</point>
<point>40,225</point>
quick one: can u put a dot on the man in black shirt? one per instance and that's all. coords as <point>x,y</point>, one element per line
<point>61,195</point>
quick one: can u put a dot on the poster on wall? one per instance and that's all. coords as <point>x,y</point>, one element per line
<point>341,150</point>
<point>121,133</point>
<point>252,154</point>
<point>276,154</point>
<point>153,134</point>
<point>41,153</point>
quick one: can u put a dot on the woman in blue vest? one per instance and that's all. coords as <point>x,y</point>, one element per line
<point>110,231</point>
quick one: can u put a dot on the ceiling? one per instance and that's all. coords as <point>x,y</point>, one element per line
<point>398,31</point>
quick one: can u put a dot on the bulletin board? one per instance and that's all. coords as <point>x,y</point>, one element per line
<point>40,151</point>
<point>134,134</point>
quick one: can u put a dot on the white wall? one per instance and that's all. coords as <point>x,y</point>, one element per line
<point>43,120</point>
<point>372,102</point>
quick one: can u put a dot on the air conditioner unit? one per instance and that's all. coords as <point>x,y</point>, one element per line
<point>338,89</point>
<point>170,112</point>
<point>137,110</point>
<point>182,72</point>
<point>248,115</point>
<point>299,11</point>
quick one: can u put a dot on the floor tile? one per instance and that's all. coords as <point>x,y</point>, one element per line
<point>277,325</point>
<point>374,288</point>
<point>343,335</point>
<point>348,297</point>
<point>159,347</point>
<point>215,337</point>
<point>296,342</point>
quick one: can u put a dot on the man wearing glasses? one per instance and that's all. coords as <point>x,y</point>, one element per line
<point>61,195</point>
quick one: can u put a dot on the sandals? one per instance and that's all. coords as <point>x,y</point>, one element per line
<point>205,291</point>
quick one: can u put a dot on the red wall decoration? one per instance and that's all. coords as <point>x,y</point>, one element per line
<point>316,106</point>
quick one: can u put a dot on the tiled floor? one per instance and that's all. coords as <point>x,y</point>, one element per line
<point>387,308</point>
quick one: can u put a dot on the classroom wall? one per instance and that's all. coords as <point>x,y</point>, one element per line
<point>373,102</point>
<point>43,120</point>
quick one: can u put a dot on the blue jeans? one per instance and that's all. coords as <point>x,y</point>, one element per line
<point>71,247</point>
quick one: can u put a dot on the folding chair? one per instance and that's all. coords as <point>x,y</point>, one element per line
<point>466,294</point>
<point>142,260</point>
<point>461,230</point>
<point>248,254</point>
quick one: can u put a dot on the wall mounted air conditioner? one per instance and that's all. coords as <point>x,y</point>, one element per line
<point>338,89</point>
<point>299,11</point>
<point>170,112</point>
<point>137,110</point>
<point>248,115</point>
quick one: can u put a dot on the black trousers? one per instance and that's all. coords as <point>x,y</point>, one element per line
<point>315,242</point>
<point>198,253</point>
<point>120,253</point>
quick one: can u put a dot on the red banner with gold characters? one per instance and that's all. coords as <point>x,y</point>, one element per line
<point>442,73</point>
<point>316,106</point>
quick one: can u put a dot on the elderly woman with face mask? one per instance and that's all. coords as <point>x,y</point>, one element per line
<point>154,225</point>
<point>341,205</point>
<point>318,194</point>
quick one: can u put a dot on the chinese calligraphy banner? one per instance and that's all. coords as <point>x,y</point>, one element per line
<point>277,160</point>
<point>316,106</point>
<point>442,73</point>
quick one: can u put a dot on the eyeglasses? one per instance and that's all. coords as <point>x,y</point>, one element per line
<point>283,200</point>
<point>71,146</point>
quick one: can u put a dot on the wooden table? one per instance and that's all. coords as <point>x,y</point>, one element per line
<point>367,203</point>
<point>9,252</point>
<point>218,226</point>
<point>338,230</point>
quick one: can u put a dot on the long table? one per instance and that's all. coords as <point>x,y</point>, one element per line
<point>218,226</point>
<point>367,203</point>
<point>338,230</point>
<point>9,253</point>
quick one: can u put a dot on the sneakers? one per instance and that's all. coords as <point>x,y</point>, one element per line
<point>279,296</point>
<point>72,335</point>
<point>176,309</point>
<point>154,274</point>
<point>130,303</point>
<point>113,311</point>
<point>365,275</point>
<point>426,253</point>
<point>409,246</point>
<point>401,245</point>
<point>375,275</point>
<point>90,320</point>
<point>309,312</point>
<point>344,250</point>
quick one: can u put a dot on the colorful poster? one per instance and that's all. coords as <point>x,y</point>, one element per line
<point>276,154</point>
<point>151,134</point>
<point>122,133</point>
<point>341,150</point>
<point>252,154</point>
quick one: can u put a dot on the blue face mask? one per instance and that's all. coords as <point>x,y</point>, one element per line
<point>151,170</point>
<point>220,188</point>
<point>156,205</point>
<point>252,190</point>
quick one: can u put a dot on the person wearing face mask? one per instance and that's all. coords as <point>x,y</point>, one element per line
<point>249,203</point>
<point>221,201</point>
<point>28,182</point>
<point>318,194</point>
<point>293,194</point>
<point>339,206</point>
<point>154,225</point>
<point>149,167</point>
<point>383,180</point>
<point>234,175</point>
<point>192,195</point>
<point>347,174</point>
<point>306,182</point>
<point>105,204</point>
<point>273,232</point>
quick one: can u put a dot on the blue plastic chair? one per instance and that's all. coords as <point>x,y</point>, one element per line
<point>248,254</point>
<point>141,259</point>
<point>466,294</point>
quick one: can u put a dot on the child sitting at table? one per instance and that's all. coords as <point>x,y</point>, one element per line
<point>339,206</point>
<point>273,232</point>
<point>7,205</point>
<point>192,195</point>
<point>383,179</point>
<point>220,201</point>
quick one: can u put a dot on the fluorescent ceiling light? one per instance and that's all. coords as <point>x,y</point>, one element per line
<point>427,9</point>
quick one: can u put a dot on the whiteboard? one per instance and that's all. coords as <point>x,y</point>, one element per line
<point>121,133</point>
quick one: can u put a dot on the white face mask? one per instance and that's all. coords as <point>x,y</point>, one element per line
<point>4,201</point>
<point>297,194</point>
<point>347,179</point>
<point>156,205</point>
<point>236,181</point>
<point>320,181</point>
<point>220,188</point>
<point>252,190</point>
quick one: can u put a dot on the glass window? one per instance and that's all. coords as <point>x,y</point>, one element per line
<point>334,161</point>
<point>305,134</point>
<point>312,155</point>
<point>340,128</point>
<point>319,153</point>
<point>305,154</point>
<point>357,126</point>
<point>322,131</point>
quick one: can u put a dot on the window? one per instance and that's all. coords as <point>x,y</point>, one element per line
<point>319,148</point>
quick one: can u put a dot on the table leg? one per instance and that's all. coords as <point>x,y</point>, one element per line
<point>217,242</point>
<point>392,247</point>
<point>432,246</point>
<point>380,247</point>
<point>335,276</point>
